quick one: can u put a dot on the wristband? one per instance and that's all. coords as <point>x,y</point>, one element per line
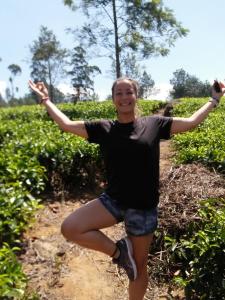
<point>44,99</point>
<point>215,101</point>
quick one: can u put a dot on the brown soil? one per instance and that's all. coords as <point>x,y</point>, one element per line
<point>59,270</point>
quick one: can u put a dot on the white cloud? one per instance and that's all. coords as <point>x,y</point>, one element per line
<point>2,88</point>
<point>65,88</point>
<point>103,93</point>
<point>161,91</point>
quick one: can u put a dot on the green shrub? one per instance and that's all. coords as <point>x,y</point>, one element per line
<point>201,253</point>
<point>206,143</point>
<point>32,150</point>
<point>12,278</point>
<point>17,210</point>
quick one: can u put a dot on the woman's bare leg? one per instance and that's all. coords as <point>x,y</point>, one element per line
<point>141,245</point>
<point>82,227</point>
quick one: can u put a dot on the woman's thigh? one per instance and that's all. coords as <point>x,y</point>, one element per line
<point>91,216</point>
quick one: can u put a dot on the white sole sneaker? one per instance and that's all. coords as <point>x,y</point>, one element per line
<point>130,254</point>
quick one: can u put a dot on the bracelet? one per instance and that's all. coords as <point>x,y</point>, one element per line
<point>215,101</point>
<point>44,99</point>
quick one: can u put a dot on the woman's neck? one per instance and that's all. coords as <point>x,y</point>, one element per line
<point>126,118</point>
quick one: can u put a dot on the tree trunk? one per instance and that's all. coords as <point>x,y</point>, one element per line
<point>12,87</point>
<point>117,47</point>
<point>51,93</point>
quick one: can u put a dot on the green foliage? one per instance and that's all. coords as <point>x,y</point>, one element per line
<point>38,146</point>
<point>21,115</point>
<point>17,209</point>
<point>12,278</point>
<point>135,71</point>
<point>186,85</point>
<point>48,59</point>
<point>206,143</point>
<point>15,70</point>
<point>115,28</point>
<point>146,83</point>
<point>33,150</point>
<point>82,73</point>
<point>104,109</point>
<point>201,253</point>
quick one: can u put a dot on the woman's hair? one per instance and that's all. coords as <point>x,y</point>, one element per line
<point>132,81</point>
<point>135,86</point>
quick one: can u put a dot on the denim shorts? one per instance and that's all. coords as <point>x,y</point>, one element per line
<point>137,222</point>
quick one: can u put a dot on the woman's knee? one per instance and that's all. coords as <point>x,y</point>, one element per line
<point>70,228</point>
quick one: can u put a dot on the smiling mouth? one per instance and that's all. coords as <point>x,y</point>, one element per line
<point>125,104</point>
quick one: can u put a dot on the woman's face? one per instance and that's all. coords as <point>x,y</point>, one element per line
<point>124,97</point>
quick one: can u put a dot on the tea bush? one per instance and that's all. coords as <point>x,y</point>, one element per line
<point>12,279</point>
<point>201,253</point>
<point>206,143</point>
<point>32,150</point>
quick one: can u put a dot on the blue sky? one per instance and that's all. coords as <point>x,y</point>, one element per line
<point>201,53</point>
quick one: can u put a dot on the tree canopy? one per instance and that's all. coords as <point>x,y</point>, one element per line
<point>186,85</point>
<point>15,70</point>
<point>133,69</point>
<point>117,27</point>
<point>48,59</point>
<point>82,73</point>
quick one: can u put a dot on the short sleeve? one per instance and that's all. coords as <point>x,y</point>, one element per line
<point>165,127</point>
<point>97,131</point>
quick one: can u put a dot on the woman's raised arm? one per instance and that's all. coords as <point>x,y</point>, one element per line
<point>75,127</point>
<point>184,124</point>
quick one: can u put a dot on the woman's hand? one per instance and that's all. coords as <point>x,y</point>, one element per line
<point>40,90</point>
<point>218,90</point>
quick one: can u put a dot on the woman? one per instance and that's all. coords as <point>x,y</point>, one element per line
<point>130,147</point>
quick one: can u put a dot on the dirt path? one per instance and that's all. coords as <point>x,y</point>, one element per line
<point>166,154</point>
<point>59,270</point>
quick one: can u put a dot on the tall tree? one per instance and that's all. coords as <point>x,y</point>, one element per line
<point>186,85</point>
<point>133,69</point>
<point>15,70</point>
<point>130,67</point>
<point>146,84</point>
<point>8,94</point>
<point>82,73</point>
<point>48,59</point>
<point>144,27</point>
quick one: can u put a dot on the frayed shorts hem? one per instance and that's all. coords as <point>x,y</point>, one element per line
<point>137,222</point>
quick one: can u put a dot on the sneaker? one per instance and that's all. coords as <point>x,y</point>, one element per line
<point>126,260</point>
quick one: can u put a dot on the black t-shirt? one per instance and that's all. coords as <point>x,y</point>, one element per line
<point>131,156</point>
